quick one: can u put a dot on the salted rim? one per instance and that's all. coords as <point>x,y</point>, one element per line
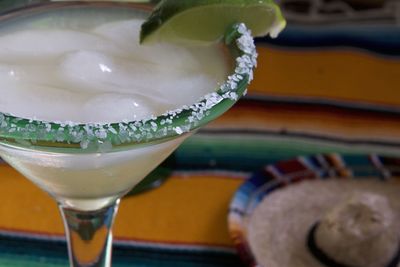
<point>106,136</point>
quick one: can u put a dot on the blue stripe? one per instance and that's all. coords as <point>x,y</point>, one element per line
<point>380,39</point>
<point>51,253</point>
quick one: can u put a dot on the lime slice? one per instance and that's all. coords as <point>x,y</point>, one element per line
<point>206,21</point>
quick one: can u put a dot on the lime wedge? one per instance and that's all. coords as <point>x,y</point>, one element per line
<point>206,21</point>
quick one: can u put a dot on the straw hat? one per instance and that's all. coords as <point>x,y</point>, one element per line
<point>322,223</point>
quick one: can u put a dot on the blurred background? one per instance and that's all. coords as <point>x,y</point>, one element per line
<point>328,83</point>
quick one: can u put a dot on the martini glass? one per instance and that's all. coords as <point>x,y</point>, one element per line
<point>87,168</point>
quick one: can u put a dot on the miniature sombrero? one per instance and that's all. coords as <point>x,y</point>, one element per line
<point>321,211</point>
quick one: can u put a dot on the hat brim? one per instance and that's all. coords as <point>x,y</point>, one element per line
<point>272,213</point>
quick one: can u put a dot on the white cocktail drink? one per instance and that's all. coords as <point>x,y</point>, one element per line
<point>76,67</point>
<point>86,112</point>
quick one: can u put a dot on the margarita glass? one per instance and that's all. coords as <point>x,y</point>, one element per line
<point>87,167</point>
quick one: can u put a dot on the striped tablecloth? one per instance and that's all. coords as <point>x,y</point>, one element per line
<point>318,89</point>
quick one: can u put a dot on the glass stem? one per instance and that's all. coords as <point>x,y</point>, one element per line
<point>89,235</point>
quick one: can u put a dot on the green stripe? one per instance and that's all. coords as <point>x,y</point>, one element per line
<point>23,251</point>
<point>249,153</point>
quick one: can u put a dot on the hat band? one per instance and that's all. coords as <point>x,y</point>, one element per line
<point>328,261</point>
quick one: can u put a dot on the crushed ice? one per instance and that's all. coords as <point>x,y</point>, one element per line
<point>103,136</point>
